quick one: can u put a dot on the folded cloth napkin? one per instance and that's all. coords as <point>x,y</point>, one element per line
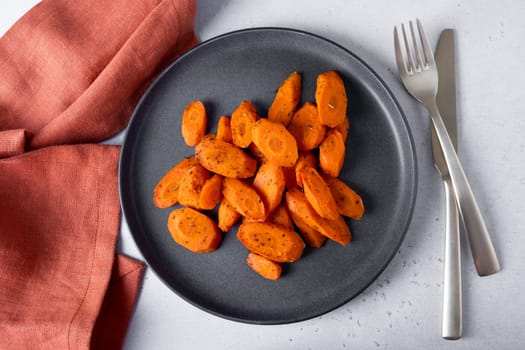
<point>71,73</point>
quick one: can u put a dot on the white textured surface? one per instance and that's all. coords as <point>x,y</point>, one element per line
<point>402,309</point>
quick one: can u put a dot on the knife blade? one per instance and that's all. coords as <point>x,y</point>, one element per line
<point>446,102</point>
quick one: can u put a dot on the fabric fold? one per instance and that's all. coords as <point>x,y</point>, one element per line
<point>72,73</point>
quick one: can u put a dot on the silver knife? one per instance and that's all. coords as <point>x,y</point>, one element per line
<point>446,101</point>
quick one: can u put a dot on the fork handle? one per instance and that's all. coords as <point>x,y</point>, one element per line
<point>452,306</point>
<point>480,243</point>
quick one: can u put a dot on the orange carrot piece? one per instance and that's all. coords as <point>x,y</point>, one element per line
<point>243,198</point>
<point>211,193</point>
<point>266,268</point>
<point>275,142</point>
<point>224,159</point>
<point>227,216</point>
<point>336,230</point>
<point>306,127</point>
<point>224,131</point>
<point>312,237</point>
<point>269,182</point>
<point>318,193</point>
<point>193,230</point>
<point>191,185</point>
<point>194,123</point>
<point>281,217</point>
<point>242,121</point>
<point>330,97</point>
<point>344,128</point>
<point>166,192</point>
<point>272,241</point>
<point>306,158</point>
<point>286,100</point>
<point>348,201</point>
<point>332,153</point>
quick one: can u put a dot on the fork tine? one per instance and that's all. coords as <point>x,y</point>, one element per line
<point>419,63</point>
<point>411,66</point>
<point>399,55</point>
<point>429,56</point>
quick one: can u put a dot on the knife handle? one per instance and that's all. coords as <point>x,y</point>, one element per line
<point>483,252</point>
<point>452,306</point>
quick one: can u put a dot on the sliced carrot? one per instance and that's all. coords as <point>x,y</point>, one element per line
<point>306,158</point>
<point>275,142</point>
<point>330,97</point>
<point>286,100</point>
<point>194,123</point>
<point>281,217</point>
<point>318,193</point>
<point>344,128</point>
<point>166,192</point>
<point>243,198</point>
<point>306,127</point>
<point>269,182</point>
<point>332,153</point>
<point>272,241</point>
<point>312,237</point>
<point>193,230</point>
<point>266,268</point>
<point>336,230</point>
<point>191,185</point>
<point>348,201</point>
<point>211,193</point>
<point>227,216</point>
<point>224,158</point>
<point>242,121</point>
<point>224,131</point>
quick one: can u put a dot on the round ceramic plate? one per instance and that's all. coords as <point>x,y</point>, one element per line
<point>380,165</point>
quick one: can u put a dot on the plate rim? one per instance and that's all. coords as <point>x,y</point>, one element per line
<point>127,144</point>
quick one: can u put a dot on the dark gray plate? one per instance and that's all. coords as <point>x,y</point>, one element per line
<point>380,165</point>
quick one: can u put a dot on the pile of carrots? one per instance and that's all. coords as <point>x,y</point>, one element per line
<point>279,175</point>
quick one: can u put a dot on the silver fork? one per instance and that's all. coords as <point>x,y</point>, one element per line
<point>420,78</point>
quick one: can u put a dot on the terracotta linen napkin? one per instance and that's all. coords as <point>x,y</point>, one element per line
<point>71,72</point>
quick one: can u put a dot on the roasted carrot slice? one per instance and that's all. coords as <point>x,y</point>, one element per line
<point>256,152</point>
<point>330,97</point>
<point>281,217</point>
<point>224,131</point>
<point>306,127</point>
<point>269,182</point>
<point>227,216</point>
<point>191,185</point>
<point>224,158</point>
<point>166,192</point>
<point>194,123</point>
<point>318,193</point>
<point>275,142</point>
<point>243,198</point>
<point>242,121</point>
<point>344,128</point>
<point>286,100</point>
<point>305,158</point>
<point>348,201</point>
<point>336,230</point>
<point>272,241</point>
<point>193,230</point>
<point>211,193</point>
<point>332,153</point>
<point>266,268</point>
<point>312,237</point>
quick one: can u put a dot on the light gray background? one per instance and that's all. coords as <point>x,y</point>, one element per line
<point>402,309</point>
